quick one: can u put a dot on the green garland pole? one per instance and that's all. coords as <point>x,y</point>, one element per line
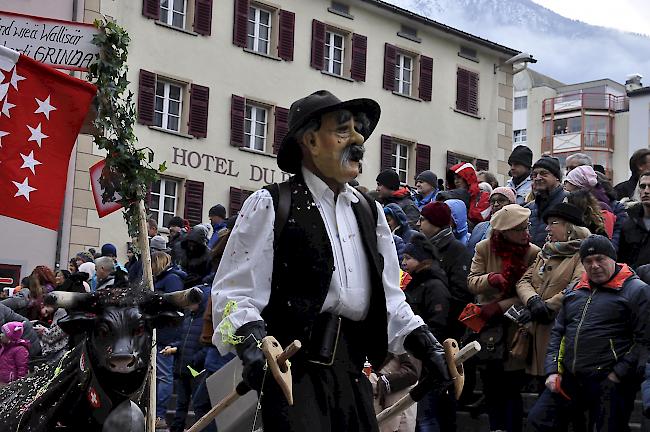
<point>128,169</point>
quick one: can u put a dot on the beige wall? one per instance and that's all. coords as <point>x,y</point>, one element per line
<point>620,157</point>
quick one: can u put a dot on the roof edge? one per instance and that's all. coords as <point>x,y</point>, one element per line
<point>639,92</point>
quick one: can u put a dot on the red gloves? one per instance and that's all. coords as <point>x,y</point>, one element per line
<point>490,311</point>
<point>496,280</point>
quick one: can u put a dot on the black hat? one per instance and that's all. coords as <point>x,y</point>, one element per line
<point>567,212</point>
<point>420,248</point>
<point>551,164</point>
<point>596,244</point>
<point>428,177</point>
<point>218,210</point>
<point>388,178</point>
<point>521,155</point>
<point>176,221</point>
<point>315,105</point>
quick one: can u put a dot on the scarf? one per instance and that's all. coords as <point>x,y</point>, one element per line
<point>561,249</point>
<point>512,257</point>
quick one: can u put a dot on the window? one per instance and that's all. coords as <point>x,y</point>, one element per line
<point>403,74</point>
<point>259,30</point>
<point>256,126</point>
<point>567,126</point>
<point>521,102</point>
<point>173,12</point>
<point>519,135</point>
<point>334,53</point>
<point>163,200</point>
<point>400,160</point>
<point>468,53</point>
<point>169,99</point>
<point>467,91</point>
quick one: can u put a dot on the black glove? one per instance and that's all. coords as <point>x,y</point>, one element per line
<point>383,388</point>
<point>524,317</point>
<point>538,310</point>
<point>424,347</point>
<point>250,354</point>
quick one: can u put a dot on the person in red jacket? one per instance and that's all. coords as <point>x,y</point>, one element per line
<point>465,178</point>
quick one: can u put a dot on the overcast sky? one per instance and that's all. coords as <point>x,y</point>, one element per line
<point>627,15</point>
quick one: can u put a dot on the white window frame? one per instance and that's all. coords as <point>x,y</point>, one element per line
<point>250,134</point>
<point>160,212</point>
<point>331,48</point>
<point>165,114</point>
<point>403,75</point>
<point>523,105</point>
<point>519,136</point>
<point>401,151</point>
<point>170,11</point>
<point>257,24</point>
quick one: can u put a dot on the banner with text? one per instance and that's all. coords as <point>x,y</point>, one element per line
<point>62,44</point>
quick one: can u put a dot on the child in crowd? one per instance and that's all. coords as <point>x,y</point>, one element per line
<point>14,353</point>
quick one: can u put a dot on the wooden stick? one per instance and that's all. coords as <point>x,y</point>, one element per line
<point>219,408</point>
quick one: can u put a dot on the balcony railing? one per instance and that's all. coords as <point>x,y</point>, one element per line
<point>587,101</point>
<point>577,142</point>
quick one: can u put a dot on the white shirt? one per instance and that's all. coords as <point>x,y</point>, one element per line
<point>244,275</point>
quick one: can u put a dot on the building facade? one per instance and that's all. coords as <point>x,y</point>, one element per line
<point>214,81</point>
<point>639,127</point>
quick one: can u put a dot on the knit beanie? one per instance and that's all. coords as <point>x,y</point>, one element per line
<point>109,250</point>
<point>583,177</point>
<point>388,178</point>
<point>420,248</point>
<point>506,192</point>
<point>13,330</point>
<point>218,210</point>
<point>597,245</point>
<point>551,164</point>
<point>521,155</point>
<point>428,177</point>
<point>485,187</point>
<point>437,213</point>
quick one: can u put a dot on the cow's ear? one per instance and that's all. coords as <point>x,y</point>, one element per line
<point>164,319</point>
<point>76,323</point>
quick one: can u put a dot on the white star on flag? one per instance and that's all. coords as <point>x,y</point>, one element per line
<point>29,161</point>
<point>2,134</point>
<point>37,135</point>
<point>6,106</point>
<point>44,107</point>
<point>4,88</point>
<point>24,189</point>
<point>15,79</point>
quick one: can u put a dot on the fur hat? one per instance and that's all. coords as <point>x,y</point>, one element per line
<point>437,213</point>
<point>13,330</point>
<point>509,217</point>
<point>597,245</point>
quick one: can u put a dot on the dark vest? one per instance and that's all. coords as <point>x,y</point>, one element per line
<point>302,270</point>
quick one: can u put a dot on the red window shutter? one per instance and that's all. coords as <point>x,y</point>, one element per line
<point>451,159</point>
<point>151,9</point>
<point>286,32</point>
<point>146,97</point>
<point>386,152</point>
<point>467,91</point>
<point>237,115</point>
<point>482,165</point>
<point>203,17</point>
<point>426,78</point>
<point>473,93</point>
<point>281,127</point>
<point>422,158</point>
<point>240,24</point>
<point>317,45</point>
<point>235,201</point>
<point>390,57</point>
<point>198,122</point>
<point>359,55</point>
<point>193,202</point>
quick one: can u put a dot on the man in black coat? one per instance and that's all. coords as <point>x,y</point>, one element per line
<point>634,246</point>
<point>639,163</point>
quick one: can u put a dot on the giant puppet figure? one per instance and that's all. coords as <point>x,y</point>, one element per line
<point>313,259</point>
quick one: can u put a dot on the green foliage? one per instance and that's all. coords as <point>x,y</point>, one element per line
<point>128,170</point>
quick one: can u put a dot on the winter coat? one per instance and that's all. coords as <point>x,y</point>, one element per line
<point>168,281</point>
<point>626,188</point>
<point>479,233</point>
<point>634,246</point>
<point>521,190</point>
<point>421,201</point>
<point>404,230</point>
<point>197,265</point>
<point>537,209</point>
<point>105,283</point>
<point>7,315</point>
<point>620,212</point>
<point>14,357</point>
<point>53,338</point>
<point>174,246</point>
<point>479,201</point>
<point>23,304</point>
<point>428,296</point>
<point>484,263</point>
<point>601,328</point>
<point>459,216</point>
<point>402,197</point>
<point>190,350</point>
<point>217,233</point>
<point>547,278</point>
<point>399,247</point>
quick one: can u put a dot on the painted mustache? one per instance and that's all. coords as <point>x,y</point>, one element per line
<point>352,153</point>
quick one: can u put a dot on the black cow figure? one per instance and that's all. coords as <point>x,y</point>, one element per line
<point>96,385</point>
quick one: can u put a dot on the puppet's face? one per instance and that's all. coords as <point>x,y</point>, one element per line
<point>336,148</point>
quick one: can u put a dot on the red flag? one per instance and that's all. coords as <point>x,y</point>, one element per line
<point>41,112</point>
<point>103,209</point>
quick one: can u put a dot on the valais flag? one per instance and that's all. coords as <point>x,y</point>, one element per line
<point>41,112</point>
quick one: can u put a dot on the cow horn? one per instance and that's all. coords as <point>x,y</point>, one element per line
<point>67,300</point>
<point>184,298</point>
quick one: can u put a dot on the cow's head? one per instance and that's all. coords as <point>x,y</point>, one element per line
<point>118,322</point>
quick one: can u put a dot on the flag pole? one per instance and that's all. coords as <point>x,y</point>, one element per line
<point>147,278</point>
